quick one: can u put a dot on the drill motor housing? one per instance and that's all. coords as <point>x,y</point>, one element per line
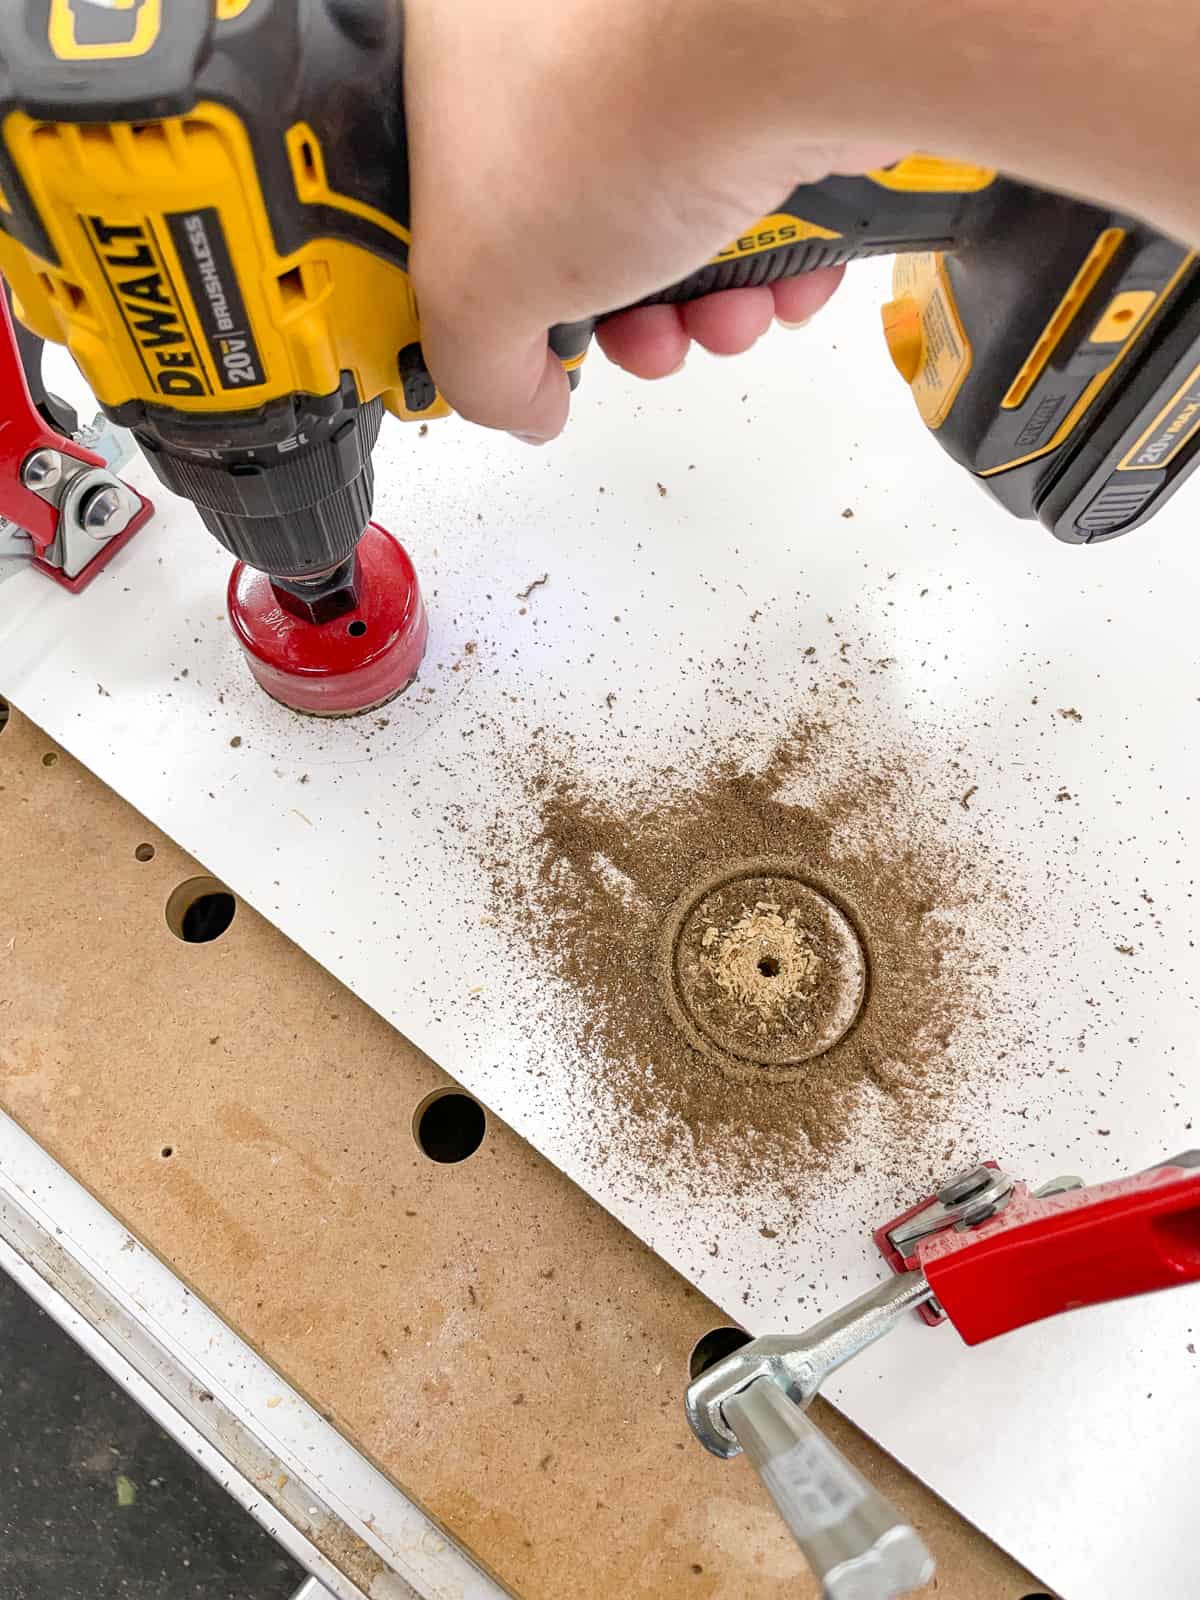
<point>209,205</point>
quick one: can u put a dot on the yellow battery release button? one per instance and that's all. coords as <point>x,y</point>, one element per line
<point>1123,317</point>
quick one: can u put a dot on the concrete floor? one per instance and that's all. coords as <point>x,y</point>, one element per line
<point>96,1502</point>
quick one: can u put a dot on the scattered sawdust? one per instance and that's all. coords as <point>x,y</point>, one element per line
<point>538,583</point>
<point>1069,714</point>
<point>965,799</point>
<point>588,896</point>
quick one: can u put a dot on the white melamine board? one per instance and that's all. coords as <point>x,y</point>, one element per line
<point>1072,1444</point>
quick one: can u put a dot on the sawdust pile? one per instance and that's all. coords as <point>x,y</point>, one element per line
<point>588,890</point>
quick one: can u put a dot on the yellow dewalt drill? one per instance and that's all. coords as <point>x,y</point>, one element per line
<point>208,203</point>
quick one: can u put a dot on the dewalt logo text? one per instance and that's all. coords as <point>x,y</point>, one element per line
<point>150,307</point>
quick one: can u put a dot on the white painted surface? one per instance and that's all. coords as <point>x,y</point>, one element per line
<point>1072,1444</point>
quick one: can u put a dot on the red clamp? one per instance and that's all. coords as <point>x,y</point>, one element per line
<point>53,488</point>
<point>898,1241</point>
<point>1000,1257</point>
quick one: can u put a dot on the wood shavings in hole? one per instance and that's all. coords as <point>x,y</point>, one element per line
<point>763,961</point>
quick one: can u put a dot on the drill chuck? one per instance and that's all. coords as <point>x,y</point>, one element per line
<point>288,489</point>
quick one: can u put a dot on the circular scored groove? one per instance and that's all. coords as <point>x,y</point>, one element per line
<point>200,910</point>
<point>761,969</point>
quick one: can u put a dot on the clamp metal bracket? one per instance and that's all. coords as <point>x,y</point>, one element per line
<point>62,505</point>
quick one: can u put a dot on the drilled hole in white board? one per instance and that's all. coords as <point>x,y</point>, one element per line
<point>449,1126</point>
<point>200,910</point>
<point>714,1346</point>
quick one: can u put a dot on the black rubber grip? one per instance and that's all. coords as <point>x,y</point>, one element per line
<point>750,272</point>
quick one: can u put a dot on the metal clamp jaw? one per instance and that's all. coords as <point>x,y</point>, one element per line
<point>798,1364</point>
<point>62,505</point>
<point>985,1253</point>
<point>94,508</point>
<point>967,1201</point>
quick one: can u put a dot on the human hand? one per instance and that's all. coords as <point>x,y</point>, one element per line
<point>653,341</point>
<point>560,168</point>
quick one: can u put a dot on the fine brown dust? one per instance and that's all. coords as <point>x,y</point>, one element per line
<point>589,898</point>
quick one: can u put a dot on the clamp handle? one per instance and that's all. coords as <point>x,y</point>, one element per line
<point>1042,1256</point>
<point>859,1546</point>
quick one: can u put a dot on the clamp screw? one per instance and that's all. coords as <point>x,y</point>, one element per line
<point>100,510</point>
<point>42,470</point>
<point>973,1215</point>
<point>965,1185</point>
